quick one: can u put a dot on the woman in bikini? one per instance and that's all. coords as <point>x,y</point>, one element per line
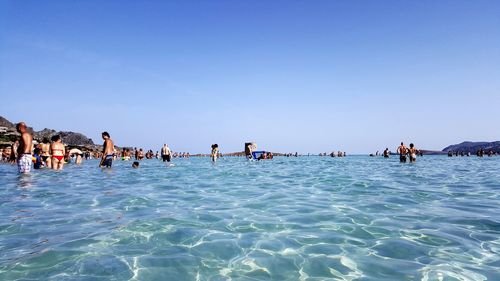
<point>45,148</point>
<point>58,152</point>
<point>413,153</point>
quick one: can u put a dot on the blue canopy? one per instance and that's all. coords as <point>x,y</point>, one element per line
<point>257,154</point>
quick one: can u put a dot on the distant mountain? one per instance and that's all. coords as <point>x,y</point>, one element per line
<point>6,123</point>
<point>473,147</point>
<point>69,138</point>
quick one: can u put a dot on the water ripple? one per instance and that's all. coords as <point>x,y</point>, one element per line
<point>310,218</point>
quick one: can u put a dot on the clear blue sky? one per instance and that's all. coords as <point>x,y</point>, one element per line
<point>307,76</point>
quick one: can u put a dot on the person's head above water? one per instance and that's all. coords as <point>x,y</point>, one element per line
<point>105,135</point>
<point>135,164</point>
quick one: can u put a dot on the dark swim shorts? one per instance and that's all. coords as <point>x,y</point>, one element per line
<point>108,161</point>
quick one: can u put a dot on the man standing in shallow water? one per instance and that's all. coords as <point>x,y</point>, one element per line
<point>402,150</point>
<point>24,158</point>
<point>166,153</point>
<point>108,151</point>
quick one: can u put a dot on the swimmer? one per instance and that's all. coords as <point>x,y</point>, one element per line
<point>108,151</point>
<point>386,153</point>
<point>45,148</point>
<point>124,154</point>
<point>248,150</point>
<point>166,154</point>
<point>402,150</point>
<point>37,159</point>
<point>78,154</point>
<point>57,151</point>
<point>24,158</point>
<point>135,165</point>
<point>413,153</point>
<point>13,154</point>
<point>215,152</point>
<point>6,153</point>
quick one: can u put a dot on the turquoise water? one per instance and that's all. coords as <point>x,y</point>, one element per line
<point>306,218</point>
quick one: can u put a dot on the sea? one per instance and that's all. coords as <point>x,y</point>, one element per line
<point>298,218</point>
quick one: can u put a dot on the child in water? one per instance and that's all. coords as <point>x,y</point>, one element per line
<point>37,159</point>
<point>135,165</point>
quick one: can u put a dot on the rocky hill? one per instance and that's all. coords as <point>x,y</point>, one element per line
<point>6,123</point>
<point>472,147</point>
<point>69,138</point>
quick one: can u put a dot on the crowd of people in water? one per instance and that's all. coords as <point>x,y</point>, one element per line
<point>403,151</point>
<point>53,154</point>
<point>339,154</point>
<point>138,154</point>
<point>479,153</point>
